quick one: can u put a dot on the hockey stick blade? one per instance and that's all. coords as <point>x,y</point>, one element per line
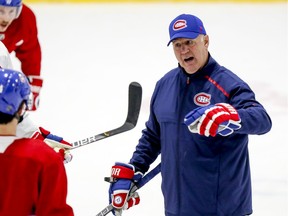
<point>136,187</point>
<point>134,105</point>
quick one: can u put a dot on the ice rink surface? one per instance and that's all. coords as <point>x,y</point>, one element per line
<point>91,52</point>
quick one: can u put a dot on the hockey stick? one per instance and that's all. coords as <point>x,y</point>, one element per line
<point>137,186</point>
<point>134,105</point>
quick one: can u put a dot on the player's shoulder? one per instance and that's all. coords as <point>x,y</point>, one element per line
<point>27,12</point>
<point>26,8</point>
<point>32,148</point>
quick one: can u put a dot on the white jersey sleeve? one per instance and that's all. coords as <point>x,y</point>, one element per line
<point>5,59</point>
<point>26,128</point>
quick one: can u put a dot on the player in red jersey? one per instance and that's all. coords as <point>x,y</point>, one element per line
<point>33,176</point>
<point>19,33</point>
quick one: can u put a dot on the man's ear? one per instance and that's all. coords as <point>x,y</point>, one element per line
<point>22,109</point>
<point>206,41</point>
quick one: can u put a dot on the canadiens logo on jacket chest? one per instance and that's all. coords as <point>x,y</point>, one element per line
<point>202,99</point>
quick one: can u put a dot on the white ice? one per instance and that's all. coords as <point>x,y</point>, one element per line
<point>91,52</point>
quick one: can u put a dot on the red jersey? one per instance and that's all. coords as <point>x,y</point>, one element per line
<point>33,180</point>
<point>22,37</point>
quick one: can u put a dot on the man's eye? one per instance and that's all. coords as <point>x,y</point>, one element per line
<point>177,45</point>
<point>189,42</point>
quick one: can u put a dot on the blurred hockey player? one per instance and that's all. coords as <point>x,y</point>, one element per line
<point>19,33</point>
<point>27,128</point>
<point>29,167</point>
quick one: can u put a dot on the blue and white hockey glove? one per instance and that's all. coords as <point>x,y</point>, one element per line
<point>221,118</point>
<point>124,177</point>
<point>61,146</point>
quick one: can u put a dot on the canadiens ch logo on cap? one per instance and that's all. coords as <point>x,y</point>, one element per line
<point>185,26</point>
<point>179,24</point>
<point>202,99</point>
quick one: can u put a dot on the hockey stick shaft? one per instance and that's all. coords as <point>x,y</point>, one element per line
<point>134,105</point>
<point>136,187</point>
<point>150,175</point>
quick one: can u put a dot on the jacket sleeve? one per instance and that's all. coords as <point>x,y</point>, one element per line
<point>148,147</point>
<point>254,118</point>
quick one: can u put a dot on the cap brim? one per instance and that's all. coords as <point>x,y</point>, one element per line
<point>190,35</point>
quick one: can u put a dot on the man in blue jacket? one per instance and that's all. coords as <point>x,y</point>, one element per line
<point>201,114</point>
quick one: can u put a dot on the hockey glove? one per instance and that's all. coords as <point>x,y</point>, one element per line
<point>119,191</point>
<point>36,85</point>
<point>221,118</point>
<point>61,146</point>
